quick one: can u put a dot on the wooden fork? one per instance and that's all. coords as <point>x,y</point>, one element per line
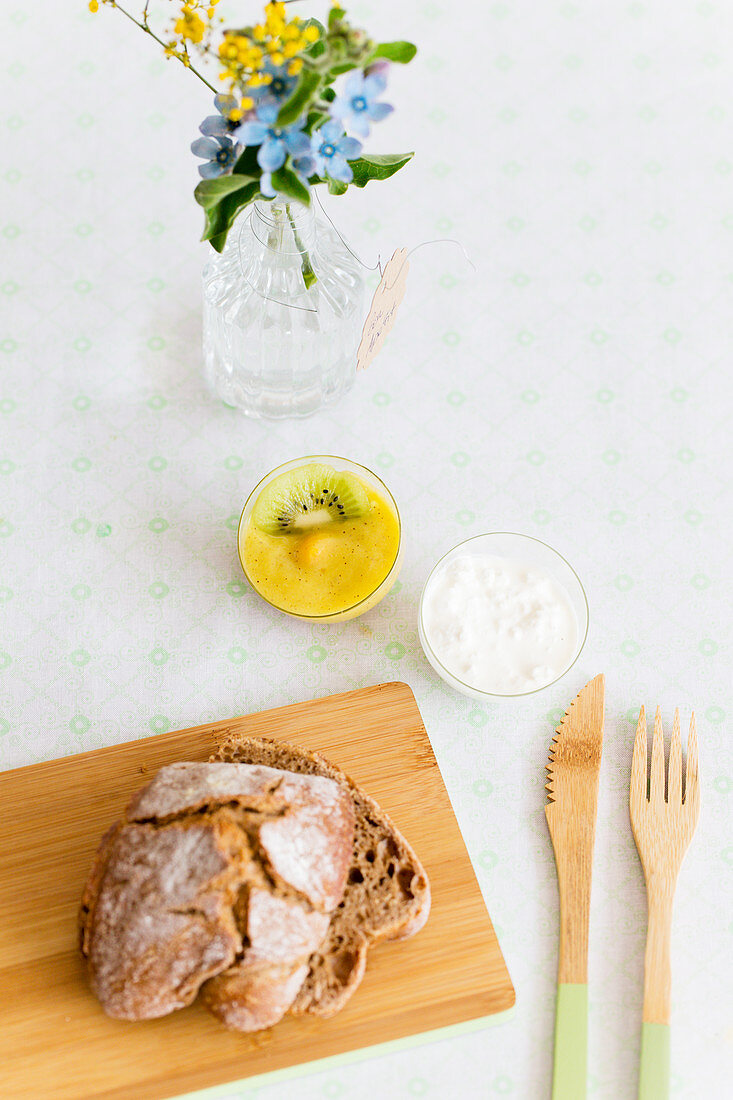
<point>662,828</point>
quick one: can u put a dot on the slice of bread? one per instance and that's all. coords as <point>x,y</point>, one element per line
<point>387,893</point>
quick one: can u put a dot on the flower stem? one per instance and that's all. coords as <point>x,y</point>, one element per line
<point>309,275</point>
<point>145,26</point>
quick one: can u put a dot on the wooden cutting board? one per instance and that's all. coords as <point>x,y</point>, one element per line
<point>55,1041</point>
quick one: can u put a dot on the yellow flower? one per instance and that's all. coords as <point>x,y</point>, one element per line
<point>190,25</point>
<point>247,103</point>
<point>94,5</point>
<point>278,39</point>
<point>275,18</point>
<point>275,10</point>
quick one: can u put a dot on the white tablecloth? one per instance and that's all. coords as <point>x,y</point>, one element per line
<point>576,387</point>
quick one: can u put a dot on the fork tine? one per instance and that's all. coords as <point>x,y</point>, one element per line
<point>674,777</point>
<point>656,781</point>
<point>692,790</point>
<point>638,789</point>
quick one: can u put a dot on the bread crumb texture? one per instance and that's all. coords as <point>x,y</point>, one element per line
<point>386,894</point>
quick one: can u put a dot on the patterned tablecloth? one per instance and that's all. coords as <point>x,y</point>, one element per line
<point>576,386</point>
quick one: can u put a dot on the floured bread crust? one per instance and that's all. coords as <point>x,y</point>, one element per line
<point>221,876</point>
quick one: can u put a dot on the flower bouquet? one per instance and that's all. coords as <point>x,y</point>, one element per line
<point>295,102</point>
<point>282,125</point>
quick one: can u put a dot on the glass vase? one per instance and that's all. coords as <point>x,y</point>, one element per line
<point>284,306</point>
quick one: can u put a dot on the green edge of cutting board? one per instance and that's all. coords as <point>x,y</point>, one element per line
<point>242,1088</point>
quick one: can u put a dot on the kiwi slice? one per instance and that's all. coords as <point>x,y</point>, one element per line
<point>308,496</point>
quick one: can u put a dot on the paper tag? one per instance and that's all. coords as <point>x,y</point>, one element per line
<point>385,303</point>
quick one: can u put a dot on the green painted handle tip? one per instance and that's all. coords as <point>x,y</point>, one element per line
<point>571,1042</point>
<point>654,1067</point>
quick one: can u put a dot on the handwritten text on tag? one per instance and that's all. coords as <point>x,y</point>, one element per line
<point>385,303</point>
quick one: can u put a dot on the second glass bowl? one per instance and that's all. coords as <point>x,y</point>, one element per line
<point>533,552</point>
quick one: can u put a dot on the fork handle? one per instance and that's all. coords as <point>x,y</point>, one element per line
<point>654,1065</point>
<point>657,957</point>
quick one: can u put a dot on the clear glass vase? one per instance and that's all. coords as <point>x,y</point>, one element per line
<point>283,312</point>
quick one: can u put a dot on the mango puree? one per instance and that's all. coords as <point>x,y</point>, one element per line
<point>327,569</point>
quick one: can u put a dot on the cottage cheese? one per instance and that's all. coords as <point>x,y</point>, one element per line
<point>498,624</point>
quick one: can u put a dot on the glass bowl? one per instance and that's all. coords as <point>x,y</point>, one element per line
<point>368,602</point>
<point>507,544</point>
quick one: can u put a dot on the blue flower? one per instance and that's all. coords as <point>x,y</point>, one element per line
<point>331,149</point>
<point>279,88</point>
<point>220,125</point>
<point>302,166</point>
<point>275,142</point>
<point>357,107</point>
<point>219,153</point>
<point>266,187</point>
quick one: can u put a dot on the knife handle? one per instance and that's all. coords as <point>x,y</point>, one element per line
<point>571,1042</point>
<point>654,1066</point>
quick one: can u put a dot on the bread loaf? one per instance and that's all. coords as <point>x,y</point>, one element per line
<point>222,876</point>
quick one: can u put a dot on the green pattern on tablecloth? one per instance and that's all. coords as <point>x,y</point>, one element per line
<point>575,386</point>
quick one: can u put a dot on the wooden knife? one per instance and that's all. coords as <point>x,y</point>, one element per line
<point>572,803</point>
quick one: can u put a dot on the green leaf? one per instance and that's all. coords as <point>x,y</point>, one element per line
<point>219,218</point>
<point>378,167</point>
<point>402,52</point>
<point>218,242</point>
<point>335,16</point>
<point>342,67</point>
<point>315,118</point>
<point>336,187</point>
<point>307,86</point>
<point>210,193</point>
<point>286,182</point>
<point>246,164</point>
